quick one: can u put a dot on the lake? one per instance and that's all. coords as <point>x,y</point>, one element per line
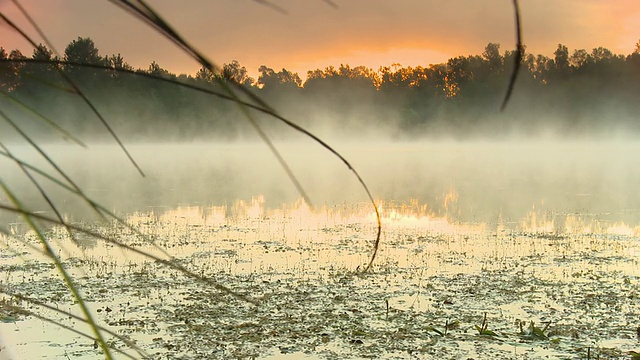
<point>468,181</point>
<point>489,249</point>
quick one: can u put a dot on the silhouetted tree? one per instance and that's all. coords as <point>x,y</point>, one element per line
<point>492,55</point>
<point>601,54</point>
<point>561,61</point>
<point>41,52</point>
<point>460,95</point>
<point>117,62</point>
<point>634,59</point>
<point>39,77</point>
<point>284,79</point>
<point>204,75</point>
<point>5,71</point>
<point>11,72</point>
<point>461,72</point>
<point>156,70</point>
<point>84,51</point>
<point>580,58</point>
<point>237,73</point>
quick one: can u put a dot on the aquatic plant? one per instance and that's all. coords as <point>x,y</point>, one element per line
<point>533,332</point>
<point>447,326</point>
<point>483,328</point>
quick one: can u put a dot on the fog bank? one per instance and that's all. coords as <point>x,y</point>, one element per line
<point>479,181</point>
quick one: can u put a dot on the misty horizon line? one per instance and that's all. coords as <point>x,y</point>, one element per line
<point>580,94</point>
<point>580,56</point>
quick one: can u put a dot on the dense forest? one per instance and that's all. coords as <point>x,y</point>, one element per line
<point>575,93</point>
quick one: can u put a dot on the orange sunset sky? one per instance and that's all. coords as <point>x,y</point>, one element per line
<point>313,34</point>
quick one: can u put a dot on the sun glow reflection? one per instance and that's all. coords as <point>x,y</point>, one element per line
<point>410,217</point>
<point>547,223</point>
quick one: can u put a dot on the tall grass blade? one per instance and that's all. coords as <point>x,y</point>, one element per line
<point>64,326</point>
<point>265,110</point>
<point>141,10</point>
<point>331,3</point>
<point>99,208</point>
<point>71,316</point>
<point>81,94</point>
<point>48,159</point>
<point>28,218</point>
<point>42,193</point>
<point>166,262</point>
<point>518,57</point>
<point>272,6</point>
<point>52,124</point>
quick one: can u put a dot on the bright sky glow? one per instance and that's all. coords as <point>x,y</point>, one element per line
<point>314,35</point>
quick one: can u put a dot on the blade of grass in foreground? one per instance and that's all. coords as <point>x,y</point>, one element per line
<point>75,87</point>
<point>118,219</point>
<point>66,327</point>
<point>141,10</point>
<point>101,209</point>
<point>272,6</point>
<point>518,57</point>
<point>169,263</point>
<point>47,158</point>
<point>244,104</point>
<point>42,193</point>
<point>25,171</point>
<point>71,316</point>
<point>52,124</point>
<point>233,97</point>
<point>30,177</point>
<point>28,217</point>
<point>145,13</point>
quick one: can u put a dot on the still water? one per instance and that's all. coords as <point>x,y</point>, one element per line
<point>479,182</point>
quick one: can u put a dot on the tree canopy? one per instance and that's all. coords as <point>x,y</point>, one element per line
<point>575,92</point>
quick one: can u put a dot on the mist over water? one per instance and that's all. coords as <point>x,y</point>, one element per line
<point>468,181</point>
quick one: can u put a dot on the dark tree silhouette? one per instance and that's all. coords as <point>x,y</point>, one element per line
<point>284,79</point>
<point>12,71</point>
<point>459,97</point>
<point>5,70</point>
<point>237,73</point>
<point>561,61</point>
<point>205,75</point>
<point>84,51</point>
<point>492,55</point>
<point>156,70</point>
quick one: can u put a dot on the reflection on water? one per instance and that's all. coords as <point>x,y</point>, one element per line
<point>489,183</point>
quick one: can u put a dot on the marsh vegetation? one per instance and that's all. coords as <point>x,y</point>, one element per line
<point>492,232</point>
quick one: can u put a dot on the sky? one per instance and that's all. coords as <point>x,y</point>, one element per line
<point>314,34</point>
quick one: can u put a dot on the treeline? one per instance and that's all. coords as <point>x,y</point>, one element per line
<point>574,93</point>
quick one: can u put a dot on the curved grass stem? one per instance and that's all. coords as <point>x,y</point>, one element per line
<point>28,218</point>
